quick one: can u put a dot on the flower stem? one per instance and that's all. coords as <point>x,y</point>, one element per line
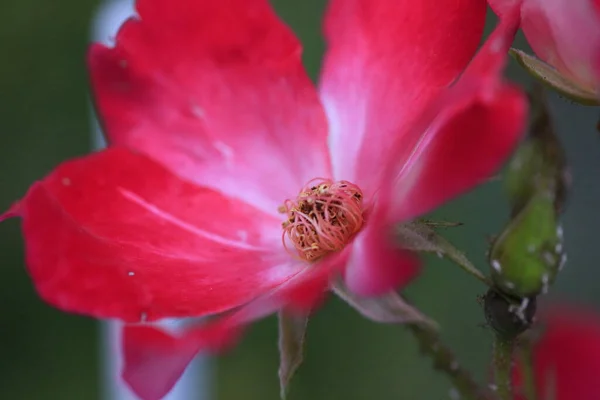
<point>526,356</point>
<point>503,366</point>
<point>444,360</point>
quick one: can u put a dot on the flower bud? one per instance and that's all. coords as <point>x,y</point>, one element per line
<point>526,257</point>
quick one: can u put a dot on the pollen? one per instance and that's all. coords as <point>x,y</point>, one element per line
<point>323,218</point>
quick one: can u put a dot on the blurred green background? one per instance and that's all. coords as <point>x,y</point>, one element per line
<point>44,354</point>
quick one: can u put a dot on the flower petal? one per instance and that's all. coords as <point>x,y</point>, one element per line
<point>567,358</point>
<point>386,60</point>
<point>462,138</point>
<point>562,33</point>
<point>155,359</point>
<point>174,356</point>
<point>216,91</point>
<point>428,169</point>
<point>376,264</point>
<point>115,234</point>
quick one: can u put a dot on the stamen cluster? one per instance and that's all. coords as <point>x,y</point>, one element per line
<point>323,218</point>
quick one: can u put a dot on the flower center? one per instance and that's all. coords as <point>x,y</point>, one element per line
<point>323,218</point>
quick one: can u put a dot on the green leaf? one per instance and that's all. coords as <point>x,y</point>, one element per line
<point>292,333</point>
<point>549,76</point>
<point>419,236</point>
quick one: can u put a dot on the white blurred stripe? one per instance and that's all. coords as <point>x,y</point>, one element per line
<point>195,383</point>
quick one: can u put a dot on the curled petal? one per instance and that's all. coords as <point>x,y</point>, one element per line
<point>386,59</point>
<point>115,234</point>
<point>155,359</point>
<point>463,138</point>
<point>216,91</point>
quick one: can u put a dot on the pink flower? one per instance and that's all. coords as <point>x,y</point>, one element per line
<point>567,358</point>
<point>232,183</point>
<point>565,34</point>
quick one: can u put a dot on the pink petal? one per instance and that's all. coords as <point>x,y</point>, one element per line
<point>155,359</point>
<point>376,264</point>
<point>463,138</point>
<point>216,91</point>
<point>174,356</point>
<point>386,60</point>
<point>567,358</point>
<point>563,33</point>
<point>478,120</point>
<point>115,234</point>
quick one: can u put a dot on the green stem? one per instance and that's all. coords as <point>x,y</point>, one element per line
<point>503,366</point>
<point>444,360</point>
<point>526,356</point>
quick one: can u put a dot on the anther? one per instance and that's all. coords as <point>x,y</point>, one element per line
<point>323,219</point>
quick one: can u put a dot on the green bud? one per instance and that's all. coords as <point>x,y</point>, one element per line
<point>539,165</point>
<point>526,257</point>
